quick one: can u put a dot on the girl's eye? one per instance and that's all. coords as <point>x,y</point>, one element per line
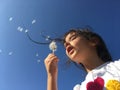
<point>72,37</point>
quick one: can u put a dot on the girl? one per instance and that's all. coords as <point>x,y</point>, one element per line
<point>88,49</point>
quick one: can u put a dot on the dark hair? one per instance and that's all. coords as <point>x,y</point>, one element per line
<point>101,48</point>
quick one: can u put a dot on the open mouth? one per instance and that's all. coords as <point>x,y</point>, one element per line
<point>70,50</point>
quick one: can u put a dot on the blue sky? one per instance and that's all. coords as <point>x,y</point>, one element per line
<point>22,62</point>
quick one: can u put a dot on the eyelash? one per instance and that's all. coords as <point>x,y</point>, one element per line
<point>72,37</point>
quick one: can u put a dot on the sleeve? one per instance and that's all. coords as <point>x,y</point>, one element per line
<point>76,87</point>
<point>116,64</point>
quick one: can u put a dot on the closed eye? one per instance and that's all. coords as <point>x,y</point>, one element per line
<point>72,37</point>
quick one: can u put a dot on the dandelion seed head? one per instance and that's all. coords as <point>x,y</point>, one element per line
<point>53,46</point>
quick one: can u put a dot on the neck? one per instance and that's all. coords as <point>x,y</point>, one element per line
<point>92,64</point>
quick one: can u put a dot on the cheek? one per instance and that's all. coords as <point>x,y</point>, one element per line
<point>81,45</point>
<point>77,43</point>
<point>66,52</point>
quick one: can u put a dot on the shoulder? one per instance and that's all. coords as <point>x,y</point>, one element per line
<point>106,66</point>
<point>109,68</point>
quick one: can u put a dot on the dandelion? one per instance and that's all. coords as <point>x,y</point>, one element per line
<point>53,46</point>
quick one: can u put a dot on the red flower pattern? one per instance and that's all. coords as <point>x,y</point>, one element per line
<point>97,84</point>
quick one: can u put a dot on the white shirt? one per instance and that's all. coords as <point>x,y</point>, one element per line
<point>106,76</point>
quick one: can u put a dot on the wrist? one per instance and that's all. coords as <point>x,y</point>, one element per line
<point>52,75</point>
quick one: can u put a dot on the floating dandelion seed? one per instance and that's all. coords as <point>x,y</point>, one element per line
<point>20,29</point>
<point>53,46</point>
<point>10,53</point>
<point>33,21</point>
<point>26,30</point>
<point>11,18</point>
<point>37,55</point>
<point>47,38</point>
<point>0,51</point>
<point>38,60</point>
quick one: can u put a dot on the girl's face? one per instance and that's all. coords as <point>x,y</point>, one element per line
<point>78,48</point>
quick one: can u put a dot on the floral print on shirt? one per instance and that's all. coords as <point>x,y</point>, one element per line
<point>113,85</point>
<point>98,84</point>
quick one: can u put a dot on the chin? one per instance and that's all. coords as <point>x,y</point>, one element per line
<point>73,57</point>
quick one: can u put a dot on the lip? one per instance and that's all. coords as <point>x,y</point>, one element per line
<point>69,49</point>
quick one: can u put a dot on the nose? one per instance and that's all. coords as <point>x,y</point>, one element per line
<point>66,44</point>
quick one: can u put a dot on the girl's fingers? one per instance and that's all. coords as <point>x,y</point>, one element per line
<point>51,58</point>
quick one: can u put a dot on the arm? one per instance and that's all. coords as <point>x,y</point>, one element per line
<point>52,71</point>
<point>52,83</point>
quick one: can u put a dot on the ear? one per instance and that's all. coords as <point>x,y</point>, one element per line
<point>94,41</point>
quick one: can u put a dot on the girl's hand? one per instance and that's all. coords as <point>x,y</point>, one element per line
<point>51,64</point>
